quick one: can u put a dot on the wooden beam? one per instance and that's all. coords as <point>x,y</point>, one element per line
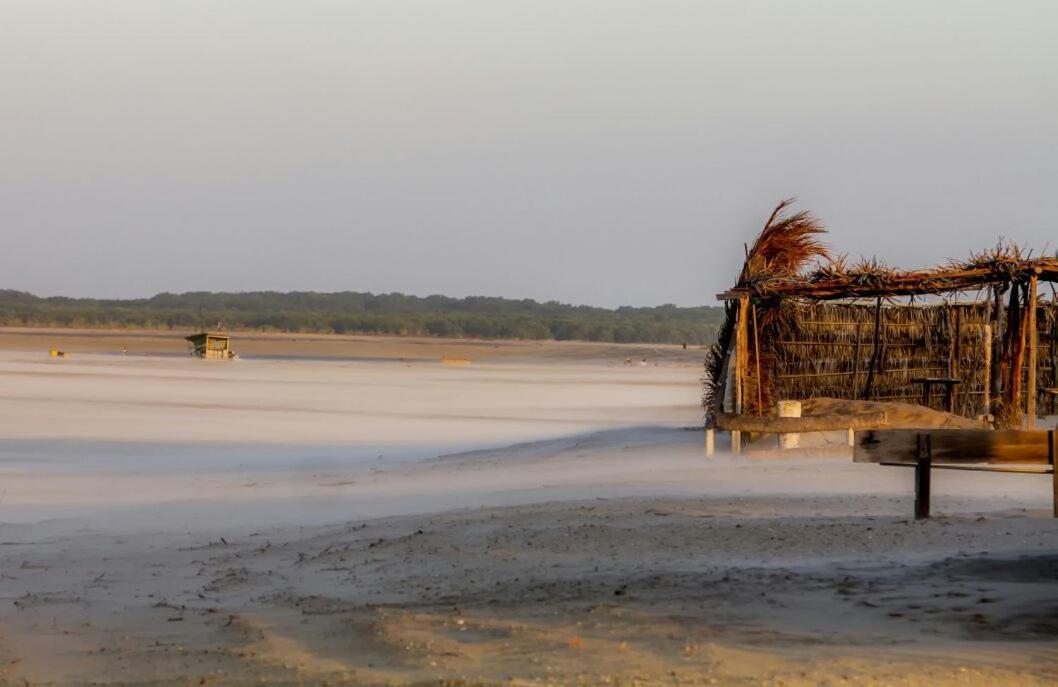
<point>914,283</point>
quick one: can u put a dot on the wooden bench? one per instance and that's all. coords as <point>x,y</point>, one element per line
<point>1014,450</point>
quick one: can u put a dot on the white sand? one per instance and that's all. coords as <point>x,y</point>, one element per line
<point>535,519</point>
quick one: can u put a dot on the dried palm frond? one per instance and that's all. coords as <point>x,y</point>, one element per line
<point>1003,258</point>
<point>714,380</point>
<point>870,272</point>
<point>831,270</point>
<point>784,246</point>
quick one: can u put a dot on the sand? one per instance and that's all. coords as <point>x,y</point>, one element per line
<point>536,519</point>
<point>349,347</point>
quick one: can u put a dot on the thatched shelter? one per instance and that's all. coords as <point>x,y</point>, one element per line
<point>802,324</point>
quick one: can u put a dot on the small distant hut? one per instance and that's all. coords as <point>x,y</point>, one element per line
<point>971,337</point>
<point>210,345</point>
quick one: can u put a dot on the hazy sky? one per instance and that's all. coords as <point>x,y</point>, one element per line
<point>602,151</point>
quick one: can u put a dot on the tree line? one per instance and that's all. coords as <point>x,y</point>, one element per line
<point>350,312</point>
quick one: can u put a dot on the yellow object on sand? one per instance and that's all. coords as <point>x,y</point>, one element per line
<point>56,353</point>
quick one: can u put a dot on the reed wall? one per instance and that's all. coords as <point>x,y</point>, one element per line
<point>804,350</point>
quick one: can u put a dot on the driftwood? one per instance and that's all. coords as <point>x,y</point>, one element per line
<point>794,425</point>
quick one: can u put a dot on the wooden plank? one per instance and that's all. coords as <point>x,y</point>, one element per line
<point>957,446</point>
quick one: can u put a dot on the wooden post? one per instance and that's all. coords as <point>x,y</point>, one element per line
<point>1054,471</point>
<point>788,409</point>
<point>856,361</point>
<point>1030,401</point>
<point>953,363</point>
<point>926,387</point>
<point>710,442</point>
<point>997,348</point>
<point>986,334</point>
<point>875,352</point>
<point>756,360</point>
<point>922,468</point>
<point>736,442</point>
<point>1052,321</point>
<point>851,436</point>
<point>741,349</point>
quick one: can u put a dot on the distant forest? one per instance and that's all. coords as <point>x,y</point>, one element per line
<point>364,313</point>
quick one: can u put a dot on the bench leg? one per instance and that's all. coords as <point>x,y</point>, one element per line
<point>922,469</point>
<point>922,489</point>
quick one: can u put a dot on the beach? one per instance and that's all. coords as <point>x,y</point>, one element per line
<point>352,510</point>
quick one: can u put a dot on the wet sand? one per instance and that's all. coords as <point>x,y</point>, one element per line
<point>533,520</point>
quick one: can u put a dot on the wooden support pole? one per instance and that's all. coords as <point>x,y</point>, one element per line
<point>997,348</point>
<point>1054,470</point>
<point>736,442</point>
<point>856,361</point>
<point>1052,318</point>
<point>710,442</point>
<point>756,360</point>
<point>986,335</point>
<point>956,354</point>
<point>741,350</point>
<point>922,469</point>
<point>875,352</point>
<point>851,436</point>
<point>791,409</point>
<point>1030,400</point>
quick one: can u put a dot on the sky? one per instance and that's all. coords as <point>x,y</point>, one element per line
<point>605,152</point>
